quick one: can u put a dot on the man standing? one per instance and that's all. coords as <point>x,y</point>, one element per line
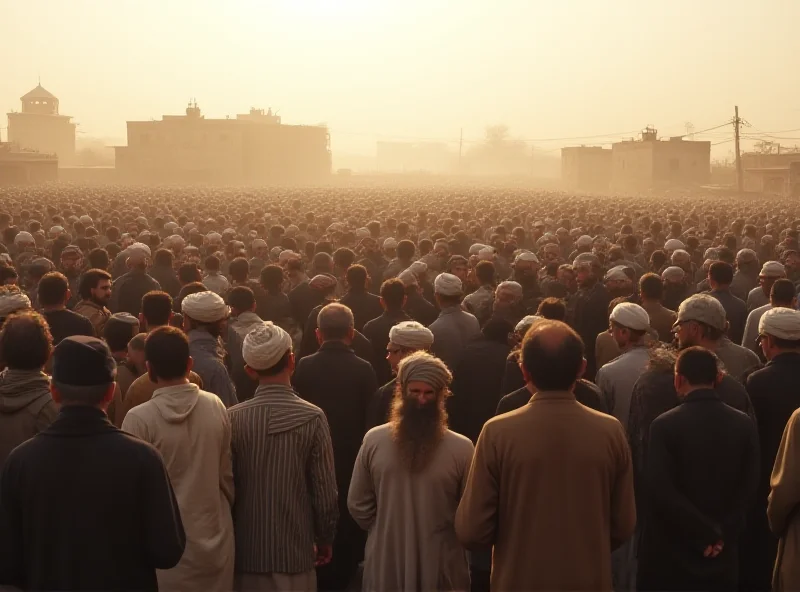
<point>191,430</point>
<point>480,302</point>
<point>408,479</point>
<point>393,297</point>
<point>651,291</point>
<point>243,310</point>
<point>697,495</point>
<point>282,458</point>
<point>71,258</point>
<point>130,525</point>
<point>775,396</point>
<point>771,271</point>
<point>404,339</point>
<point>95,293</point>
<point>591,306</point>
<point>720,276</point>
<point>782,294</point>
<point>454,327</point>
<point>129,289</point>
<point>550,528</point>
<point>53,295</point>
<point>342,385</point>
<point>365,306</point>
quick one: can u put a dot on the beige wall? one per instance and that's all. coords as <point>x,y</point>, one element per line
<point>631,165</point>
<point>52,134</point>
<point>586,168</point>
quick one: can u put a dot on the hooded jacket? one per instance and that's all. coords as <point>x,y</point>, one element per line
<point>26,407</point>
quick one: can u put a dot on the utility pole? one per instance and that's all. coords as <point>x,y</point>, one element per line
<point>460,144</point>
<point>736,125</point>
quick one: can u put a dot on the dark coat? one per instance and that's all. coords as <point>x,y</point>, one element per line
<point>700,477</point>
<point>586,393</point>
<point>775,393</point>
<point>377,331</point>
<point>128,290</point>
<point>735,312</point>
<point>166,277</point>
<point>420,309</point>
<point>303,300</point>
<point>365,307</point>
<point>477,386</point>
<point>309,344</point>
<point>591,319</point>
<point>342,385</point>
<point>381,405</point>
<point>85,506</point>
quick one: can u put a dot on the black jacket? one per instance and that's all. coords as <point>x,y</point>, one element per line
<point>377,331</point>
<point>420,309</point>
<point>381,405</point>
<point>591,319</point>
<point>309,344</point>
<point>586,393</point>
<point>477,386</point>
<point>303,299</point>
<point>365,307</point>
<point>165,275</point>
<point>735,311</point>
<point>700,476</point>
<point>342,385</point>
<point>85,506</point>
<point>128,290</point>
<point>775,393</point>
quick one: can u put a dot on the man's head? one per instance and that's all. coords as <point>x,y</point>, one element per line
<point>267,353</point>
<point>587,270</point>
<point>771,272</point>
<point>53,290</point>
<point>25,341</point>
<point>448,290</point>
<point>418,417</point>
<point>696,368</point>
<point>720,275</point>
<point>553,309</point>
<point>239,270</point>
<point>357,278</point>
<point>335,323</point>
<point>95,286</point>
<point>188,273</point>
<point>393,295</point>
<point>747,261</point>
<point>485,272</point>
<point>628,324</point>
<point>701,321</point>
<point>651,287</point>
<point>241,299</point>
<point>118,331</point>
<point>526,264</point>
<point>71,258</point>
<point>205,311</point>
<point>136,352</point>
<point>507,297</point>
<point>618,282</point>
<point>83,372</point>
<point>779,331</point>
<point>156,310</point>
<point>166,355</point>
<point>552,357</point>
<point>406,338</point>
<point>459,267</point>
<point>138,256</point>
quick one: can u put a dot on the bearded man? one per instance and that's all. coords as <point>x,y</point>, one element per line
<point>406,486</point>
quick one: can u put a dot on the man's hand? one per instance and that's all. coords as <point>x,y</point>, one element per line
<point>714,550</point>
<point>324,554</point>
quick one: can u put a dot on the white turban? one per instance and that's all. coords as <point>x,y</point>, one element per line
<point>514,288</point>
<point>390,243</point>
<point>411,335</point>
<point>286,255</point>
<point>674,244</point>
<point>12,300</point>
<point>258,244</point>
<point>616,274</point>
<point>56,230</point>
<point>138,250</point>
<point>291,230</point>
<point>408,278</point>
<point>418,267</point>
<point>23,238</point>
<point>584,241</point>
<point>526,323</point>
<point>631,315</point>
<point>206,307</point>
<point>773,269</point>
<point>673,274</point>
<point>447,284</point>
<point>486,254</point>
<point>476,248</point>
<point>214,237</point>
<point>783,323</point>
<point>680,254</point>
<point>264,346</point>
<point>527,256</point>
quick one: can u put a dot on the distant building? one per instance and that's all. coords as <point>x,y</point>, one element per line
<point>252,148</point>
<point>777,174</point>
<point>651,163</point>
<point>586,168</point>
<point>408,157</point>
<point>40,127</point>
<point>20,167</point>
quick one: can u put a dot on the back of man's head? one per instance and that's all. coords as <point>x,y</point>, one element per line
<point>53,288</point>
<point>721,273</point>
<point>697,366</point>
<point>83,372</point>
<point>552,356</point>
<point>25,341</point>
<point>651,287</point>
<point>166,351</point>
<point>393,294</point>
<point>553,309</point>
<point>357,277</point>
<point>119,329</point>
<point>335,322</point>
<point>485,272</point>
<point>241,298</point>
<point>239,269</point>
<point>322,263</point>
<point>782,293</point>
<point>156,308</point>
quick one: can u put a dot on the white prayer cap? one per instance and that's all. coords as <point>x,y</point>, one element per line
<point>411,335</point>
<point>680,255</point>
<point>362,233</point>
<point>674,244</point>
<point>214,237</point>
<point>258,243</point>
<point>24,237</point>
<point>86,220</point>
<point>447,284</point>
<point>291,230</point>
<point>783,323</point>
<point>476,248</point>
<point>206,307</point>
<point>418,267</point>
<point>407,277</point>
<point>631,315</point>
<point>746,256</point>
<point>12,300</point>
<point>526,323</point>
<point>673,274</point>
<point>773,269</point>
<point>390,243</point>
<point>486,254</point>
<point>711,253</point>
<point>170,226</point>
<point>514,288</point>
<point>584,241</point>
<point>286,255</point>
<point>138,250</point>
<point>264,346</point>
<point>616,274</point>
<point>56,230</point>
<point>526,256</point>
<point>176,240</point>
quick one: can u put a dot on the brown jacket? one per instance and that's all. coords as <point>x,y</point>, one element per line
<point>551,488</point>
<point>97,315</point>
<point>661,319</point>
<point>140,391</point>
<point>784,500</point>
<point>26,408</point>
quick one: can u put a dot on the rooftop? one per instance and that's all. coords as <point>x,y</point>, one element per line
<point>38,93</point>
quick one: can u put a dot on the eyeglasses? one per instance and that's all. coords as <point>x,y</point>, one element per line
<point>394,351</point>
<point>760,338</point>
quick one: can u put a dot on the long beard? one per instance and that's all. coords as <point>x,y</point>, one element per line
<point>417,430</point>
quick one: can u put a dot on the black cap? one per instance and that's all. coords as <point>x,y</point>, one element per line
<point>83,361</point>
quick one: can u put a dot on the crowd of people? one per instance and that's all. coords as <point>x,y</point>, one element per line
<point>386,388</point>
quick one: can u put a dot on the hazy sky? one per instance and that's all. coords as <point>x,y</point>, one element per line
<point>386,69</point>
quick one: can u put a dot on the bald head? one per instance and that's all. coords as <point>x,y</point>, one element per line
<point>335,322</point>
<point>552,356</point>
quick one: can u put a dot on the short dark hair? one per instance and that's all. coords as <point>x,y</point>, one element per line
<point>357,277</point>
<point>99,259</point>
<point>189,272</point>
<point>166,351</point>
<point>163,257</point>
<point>156,308</point>
<point>271,277</point>
<point>212,263</point>
<point>343,257</point>
<point>118,333</point>
<point>53,289</point>
<point>406,249</point>
<point>485,272</point>
<point>7,273</point>
<point>241,298</point>
<point>697,365</point>
<point>552,367</point>
<point>25,341</point>
<point>239,269</point>
<point>721,273</point>
<point>553,309</point>
<point>782,291</point>
<point>89,281</point>
<point>651,286</point>
<point>393,292</point>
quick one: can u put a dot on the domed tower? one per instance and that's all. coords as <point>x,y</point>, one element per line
<point>40,127</point>
<point>40,101</point>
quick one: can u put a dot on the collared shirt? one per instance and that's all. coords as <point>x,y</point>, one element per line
<point>617,378</point>
<point>451,332</point>
<point>286,496</point>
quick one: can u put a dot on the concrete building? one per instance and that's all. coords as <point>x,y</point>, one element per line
<point>20,167</point>
<point>251,148</point>
<point>776,174</point>
<point>40,127</point>
<point>586,168</point>
<point>651,163</point>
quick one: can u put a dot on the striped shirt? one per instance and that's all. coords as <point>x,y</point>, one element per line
<point>286,497</point>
